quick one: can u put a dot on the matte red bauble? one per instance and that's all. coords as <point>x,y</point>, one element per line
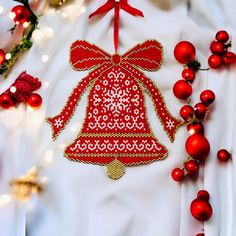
<point>6,101</point>
<point>182,89</point>
<point>197,146</point>
<point>2,57</point>
<point>223,155</point>
<point>204,195</point>
<point>34,100</point>
<point>191,167</point>
<point>201,210</point>
<point>214,61</point>
<point>222,36</point>
<point>217,48</point>
<point>184,52</point>
<point>207,97</point>
<point>21,14</point>
<point>189,74</point>
<point>187,112</point>
<point>177,174</point>
<point>195,128</point>
<point>200,110</point>
<point>229,58</point>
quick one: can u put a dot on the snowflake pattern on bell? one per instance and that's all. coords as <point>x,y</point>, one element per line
<point>116,132</point>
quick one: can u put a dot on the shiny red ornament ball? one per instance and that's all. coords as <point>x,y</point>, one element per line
<point>195,128</point>
<point>214,61</point>
<point>189,74</point>
<point>191,167</point>
<point>182,89</point>
<point>186,112</point>
<point>200,234</point>
<point>197,146</point>
<point>204,195</point>
<point>229,58</point>
<point>201,210</point>
<point>217,48</point>
<point>20,14</point>
<point>222,36</point>
<point>200,110</point>
<point>223,155</point>
<point>6,101</point>
<point>207,97</point>
<point>184,52</point>
<point>2,57</point>
<point>34,100</point>
<point>177,174</point>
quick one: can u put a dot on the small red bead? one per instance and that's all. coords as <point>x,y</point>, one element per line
<point>6,101</point>
<point>214,61</point>
<point>191,167</point>
<point>217,48</point>
<point>195,128</point>
<point>187,112</point>
<point>189,74</point>
<point>116,58</point>
<point>2,57</point>
<point>207,97</point>
<point>229,58</point>
<point>204,195</point>
<point>34,100</point>
<point>184,52</point>
<point>177,174</point>
<point>222,36</point>
<point>223,155</point>
<point>182,89</point>
<point>200,110</point>
<point>22,14</point>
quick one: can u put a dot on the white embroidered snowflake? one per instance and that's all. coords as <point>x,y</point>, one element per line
<point>58,122</point>
<point>170,124</point>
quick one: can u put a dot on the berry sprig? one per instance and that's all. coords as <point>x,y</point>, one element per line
<point>23,16</point>
<point>220,51</point>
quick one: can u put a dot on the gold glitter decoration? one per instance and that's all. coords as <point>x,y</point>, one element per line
<point>115,169</point>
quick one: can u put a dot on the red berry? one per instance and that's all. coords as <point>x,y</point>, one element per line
<point>177,174</point>
<point>223,155</point>
<point>217,48</point>
<point>207,97</point>
<point>189,74</point>
<point>229,58</point>
<point>2,57</point>
<point>204,195</point>
<point>197,146</point>
<point>191,167</point>
<point>195,128</point>
<point>20,14</point>
<point>184,52</point>
<point>214,61</point>
<point>34,100</point>
<point>6,101</point>
<point>200,110</point>
<point>222,36</point>
<point>187,112</point>
<point>182,89</point>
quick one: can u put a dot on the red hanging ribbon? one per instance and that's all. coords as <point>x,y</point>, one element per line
<point>117,5</point>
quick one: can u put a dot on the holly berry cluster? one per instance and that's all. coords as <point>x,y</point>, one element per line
<point>220,54</point>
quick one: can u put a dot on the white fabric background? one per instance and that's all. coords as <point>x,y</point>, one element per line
<point>80,199</point>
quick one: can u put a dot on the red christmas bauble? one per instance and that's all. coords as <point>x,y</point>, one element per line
<point>207,97</point>
<point>204,195</point>
<point>229,58</point>
<point>182,89</point>
<point>191,167</point>
<point>222,36</point>
<point>20,14</point>
<point>200,110</point>
<point>201,210</point>
<point>35,100</point>
<point>189,74</point>
<point>214,61</point>
<point>217,48</point>
<point>177,174</point>
<point>197,146</point>
<point>2,57</point>
<point>223,155</point>
<point>195,128</point>
<point>200,234</point>
<point>184,52</point>
<point>187,112</point>
<point>6,101</point>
